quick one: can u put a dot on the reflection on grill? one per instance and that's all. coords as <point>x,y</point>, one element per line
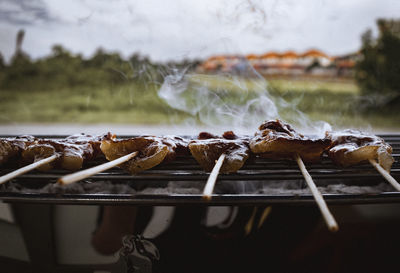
<point>182,181</point>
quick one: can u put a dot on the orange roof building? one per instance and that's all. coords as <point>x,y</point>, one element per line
<point>275,62</point>
<point>252,57</point>
<point>290,54</point>
<point>314,53</point>
<point>270,55</point>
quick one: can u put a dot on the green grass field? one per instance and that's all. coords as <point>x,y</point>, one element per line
<point>119,104</point>
<point>282,85</point>
<point>334,102</point>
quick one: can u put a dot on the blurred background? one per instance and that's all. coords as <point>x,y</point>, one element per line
<point>95,65</point>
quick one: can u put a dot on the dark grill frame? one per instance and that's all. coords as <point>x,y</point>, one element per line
<point>186,169</point>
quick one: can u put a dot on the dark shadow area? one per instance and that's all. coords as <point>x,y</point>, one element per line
<point>260,239</point>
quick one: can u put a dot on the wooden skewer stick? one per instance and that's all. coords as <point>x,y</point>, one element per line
<point>385,174</point>
<point>75,177</point>
<point>27,168</point>
<point>330,221</point>
<point>209,188</point>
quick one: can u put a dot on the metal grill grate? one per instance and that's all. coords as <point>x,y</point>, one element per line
<point>181,181</point>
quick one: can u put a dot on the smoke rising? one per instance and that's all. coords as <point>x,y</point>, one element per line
<point>232,101</point>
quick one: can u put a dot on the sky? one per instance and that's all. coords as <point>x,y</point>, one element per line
<point>177,29</point>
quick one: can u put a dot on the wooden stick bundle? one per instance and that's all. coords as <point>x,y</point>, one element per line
<point>209,188</point>
<point>75,177</point>
<point>328,217</point>
<point>385,174</point>
<point>27,168</point>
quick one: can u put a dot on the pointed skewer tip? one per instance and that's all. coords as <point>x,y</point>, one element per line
<point>209,187</point>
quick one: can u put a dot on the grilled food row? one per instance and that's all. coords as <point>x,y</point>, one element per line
<point>274,139</point>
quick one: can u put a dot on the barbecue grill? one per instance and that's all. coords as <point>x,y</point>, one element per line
<point>261,181</point>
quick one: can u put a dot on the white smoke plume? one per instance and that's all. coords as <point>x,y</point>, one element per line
<point>227,102</point>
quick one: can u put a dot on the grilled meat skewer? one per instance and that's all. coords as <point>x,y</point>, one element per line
<point>276,139</point>
<point>44,154</point>
<point>11,148</point>
<point>350,147</point>
<point>208,148</point>
<point>151,151</point>
<point>73,151</point>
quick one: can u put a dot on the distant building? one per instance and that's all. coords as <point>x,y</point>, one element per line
<point>313,55</point>
<point>312,62</point>
<point>229,63</point>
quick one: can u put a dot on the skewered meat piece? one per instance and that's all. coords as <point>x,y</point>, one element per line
<point>11,148</point>
<point>177,147</point>
<point>73,151</point>
<point>276,139</point>
<point>94,141</point>
<point>350,147</point>
<point>152,151</point>
<point>208,148</point>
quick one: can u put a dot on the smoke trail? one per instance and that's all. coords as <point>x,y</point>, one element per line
<point>231,101</point>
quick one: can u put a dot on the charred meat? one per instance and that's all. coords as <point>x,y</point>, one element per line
<point>208,148</point>
<point>11,148</point>
<point>152,151</point>
<point>350,147</point>
<point>73,151</point>
<point>177,147</point>
<point>276,139</point>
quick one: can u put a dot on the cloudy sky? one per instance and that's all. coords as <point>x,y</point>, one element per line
<point>176,29</point>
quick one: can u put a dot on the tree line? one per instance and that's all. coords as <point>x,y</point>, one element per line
<point>377,72</point>
<point>61,68</point>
